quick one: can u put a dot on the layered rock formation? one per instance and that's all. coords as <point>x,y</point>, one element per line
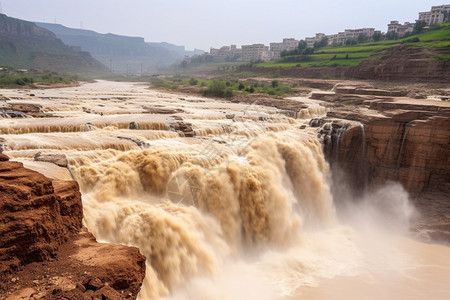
<point>375,139</point>
<point>400,139</point>
<point>45,252</point>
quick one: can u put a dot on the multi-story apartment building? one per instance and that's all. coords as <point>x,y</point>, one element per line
<point>341,37</point>
<point>311,40</point>
<point>277,48</point>
<point>255,52</point>
<point>435,15</point>
<point>395,26</point>
<point>226,53</point>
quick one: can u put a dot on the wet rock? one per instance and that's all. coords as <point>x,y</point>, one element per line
<point>133,125</point>
<point>417,95</point>
<point>369,91</point>
<point>141,144</point>
<point>183,127</point>
<point>163,110</point>
<point>57,159</point>
<point>89,126</point>
<point>316,122</point>
<point>12,114</point>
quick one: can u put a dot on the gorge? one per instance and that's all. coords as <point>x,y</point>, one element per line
<point>237,200</point>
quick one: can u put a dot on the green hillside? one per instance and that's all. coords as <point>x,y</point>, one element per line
<point>434,43</point>
<point>24,45</point>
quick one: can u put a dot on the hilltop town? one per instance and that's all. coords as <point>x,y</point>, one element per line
<point>261,52</point>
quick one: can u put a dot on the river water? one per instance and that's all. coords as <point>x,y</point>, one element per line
<point>242,210</point>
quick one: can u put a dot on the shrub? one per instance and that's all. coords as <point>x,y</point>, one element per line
<point>20,81</point>
<point>274,83</point>
<point>193,81</point>
<point>218,89</point>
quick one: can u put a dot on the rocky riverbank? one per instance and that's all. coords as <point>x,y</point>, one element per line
<point>46,253</point>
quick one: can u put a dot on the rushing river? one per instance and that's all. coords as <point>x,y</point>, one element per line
<point>241,210</point>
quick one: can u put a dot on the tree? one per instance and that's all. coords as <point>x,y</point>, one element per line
<point>419,26</point>
<point>302,45</point>
<point>351,41</point>
<point>377,36</point>
<point>362,38</point>
<point>446,16</point>
<point>322,43</point>
<point>274,83</point>
<point>391,35</point>
<point>308,51</point>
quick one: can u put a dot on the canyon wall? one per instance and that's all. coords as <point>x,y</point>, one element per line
<point>397,139</point>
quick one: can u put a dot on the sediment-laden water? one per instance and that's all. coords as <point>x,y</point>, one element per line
<point>226,201</point>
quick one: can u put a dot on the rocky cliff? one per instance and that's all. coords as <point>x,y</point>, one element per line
<point>397,138</point>
<point>45,253</point>
<point>27,46</point>
<point>373,136</point>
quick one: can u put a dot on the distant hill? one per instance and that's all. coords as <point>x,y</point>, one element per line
<point>180,51</point>
<point>26,46</point>
<point>121,53</point>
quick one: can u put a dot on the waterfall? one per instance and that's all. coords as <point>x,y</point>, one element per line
<point>400,152</point>
<point>363,162</point>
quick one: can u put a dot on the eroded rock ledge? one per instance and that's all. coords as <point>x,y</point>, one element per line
<point>45,253</point>
<point>374,136</point>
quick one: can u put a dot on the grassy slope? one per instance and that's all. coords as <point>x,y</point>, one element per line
<point>333,57</point>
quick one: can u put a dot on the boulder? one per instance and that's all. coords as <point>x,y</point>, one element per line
<point>57,159</point>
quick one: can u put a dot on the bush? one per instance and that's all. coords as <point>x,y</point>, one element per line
<point>20,81</point>
<point>412,40</point>
<point>274,83</point>
<point>193,81</point>
<point>218,89</point>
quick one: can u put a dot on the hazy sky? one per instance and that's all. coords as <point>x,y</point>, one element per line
<point>203,24</point>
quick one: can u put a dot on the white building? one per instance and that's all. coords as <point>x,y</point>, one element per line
<point>311,40</point>
<point>226,53</point>
<point>435,15</point>
<point>286,45</point>
<point>255,52</point>
<point>401,30</point>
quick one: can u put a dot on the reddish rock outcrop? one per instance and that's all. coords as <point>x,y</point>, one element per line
<point>394,139</point>
<point>408,143</point>
<point>44,251</point>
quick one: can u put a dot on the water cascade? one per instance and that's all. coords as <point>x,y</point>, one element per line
<point>240,209</point>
